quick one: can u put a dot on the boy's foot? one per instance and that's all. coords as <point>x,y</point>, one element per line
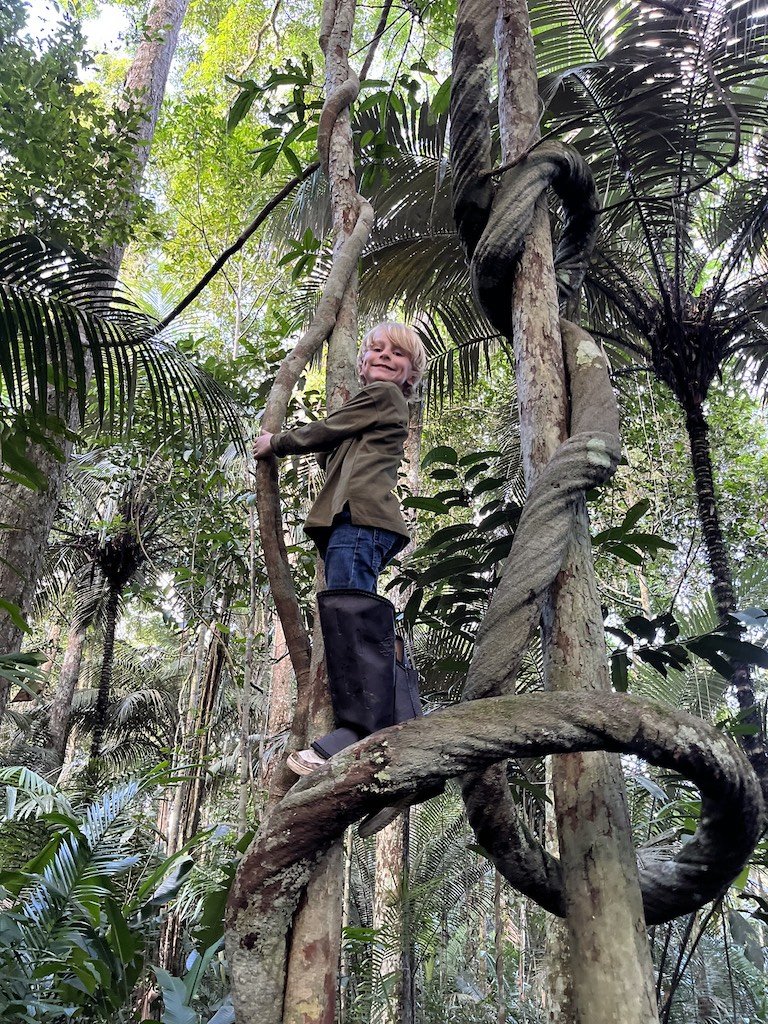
<point>304,762</point>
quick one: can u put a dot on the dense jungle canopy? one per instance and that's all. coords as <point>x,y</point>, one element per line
<point>177,178</point>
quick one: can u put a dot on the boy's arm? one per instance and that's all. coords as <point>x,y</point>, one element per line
<point>359,414</point>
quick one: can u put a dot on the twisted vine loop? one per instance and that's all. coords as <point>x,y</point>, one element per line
<point>471,741</point>
<point>493,221</point>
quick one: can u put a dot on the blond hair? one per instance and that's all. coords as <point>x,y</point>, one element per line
<point>404,338</point>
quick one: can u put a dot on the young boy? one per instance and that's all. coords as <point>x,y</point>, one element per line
<point>358,528</point>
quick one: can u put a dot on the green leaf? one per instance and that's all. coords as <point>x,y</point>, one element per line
<point>635,514</point>
<point>655,790</point>
<point>625,553</point>
<point>426,504</point>
<point>119,935</point>
<point>198,966</point>
<point>175,1007</point>
<point>741,650</point>
<point>210,926</point>
<point>442,453</point>
<point>441,100</point>
<point>242,105</point>
<point>171,884</point>
<point>653,658</point>
<point>293,160</point>
<point>15,614</point>
<point>474,457</point>
<point>642,627</point>
<point>649,542</point>
<point>447,534</point>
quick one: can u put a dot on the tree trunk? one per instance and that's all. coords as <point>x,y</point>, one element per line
<point>188,799</point>
<point>387,919</point>
<point>557,988</point>
<point>61,705</point>
<point>105,676</point>
<point>195,744</point>
<point>611,968</point>
<point>313,961</point>
<point>498,947</point>
<point>29,514</point>
<point>279,706</point>
<point>722,583</point>
<point>252,677</point>
<point>391,865</point>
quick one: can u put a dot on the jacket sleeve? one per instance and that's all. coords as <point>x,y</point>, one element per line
<point>367,408</point>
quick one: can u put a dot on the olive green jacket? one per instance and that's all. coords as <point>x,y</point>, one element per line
<point>364,441</point>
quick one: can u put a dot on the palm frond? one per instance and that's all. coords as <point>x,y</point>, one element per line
<point>574,33</point>
<point>29,795</point>
<point>65,319</point>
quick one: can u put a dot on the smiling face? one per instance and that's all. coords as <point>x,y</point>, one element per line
<point>385,360</point>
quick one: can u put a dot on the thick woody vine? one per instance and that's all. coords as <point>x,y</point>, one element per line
<point>471,742</point>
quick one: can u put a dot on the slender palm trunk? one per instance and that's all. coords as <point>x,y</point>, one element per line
<point>105,677</point>
<point>714,542</point>
<point>188,799</point>
<point>722,580</point>
<point>61,705</point>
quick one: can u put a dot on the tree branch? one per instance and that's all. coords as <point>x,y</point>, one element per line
<point>238,244</point>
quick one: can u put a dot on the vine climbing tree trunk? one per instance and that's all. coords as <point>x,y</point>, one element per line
<point>414,759</point>
<point>313,962</point>
<point>610,961</point>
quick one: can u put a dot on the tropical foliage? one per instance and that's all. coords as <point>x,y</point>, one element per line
<point>148,707</point>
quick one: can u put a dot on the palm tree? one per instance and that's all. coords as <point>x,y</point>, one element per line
<point>674,283</point>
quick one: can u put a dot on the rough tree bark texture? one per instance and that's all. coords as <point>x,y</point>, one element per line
<point>556,989</point>
<point>30,514</point>
<point>105,677</point>
<point>281,697</point>
<point>387,917</point>
<point>610,962</point>
<point>191,759</point>
<point>58,719</point>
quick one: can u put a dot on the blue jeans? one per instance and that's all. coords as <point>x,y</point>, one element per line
<point>355,555</point>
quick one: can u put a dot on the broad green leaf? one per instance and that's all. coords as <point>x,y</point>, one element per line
<point>442,453</point>
<point>441,100</point>
<point>175,1007</point>
<point>635,514</point>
